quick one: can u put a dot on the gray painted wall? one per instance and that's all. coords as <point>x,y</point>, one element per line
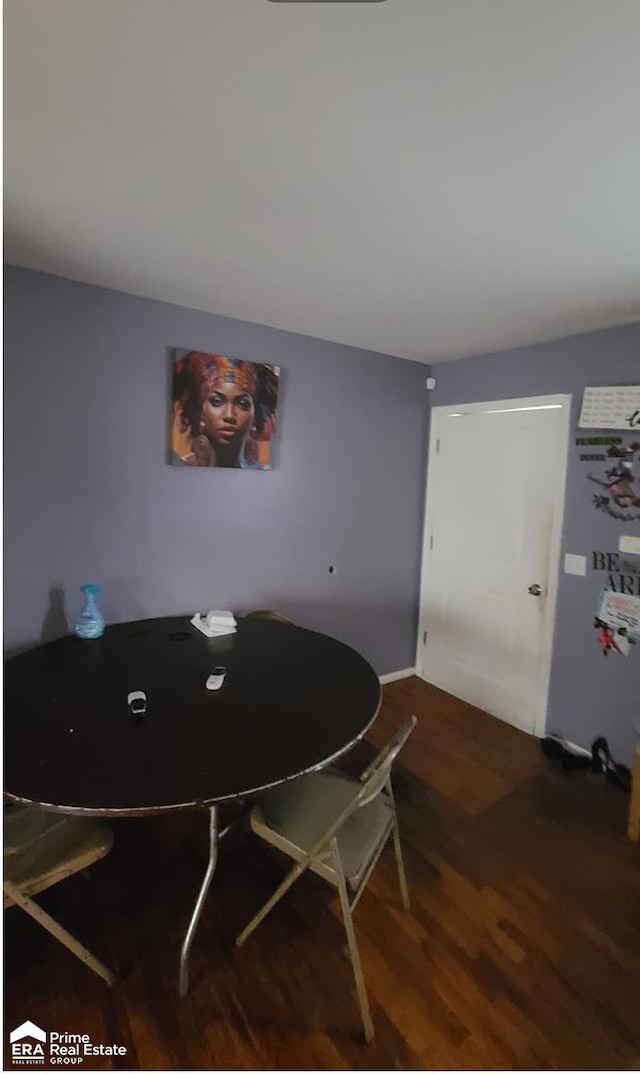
<point>589,695</point>
<point>89,497</point>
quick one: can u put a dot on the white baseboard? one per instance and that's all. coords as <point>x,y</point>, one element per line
<point>393,676</point>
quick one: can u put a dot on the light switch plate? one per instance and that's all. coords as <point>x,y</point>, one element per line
<point>575,564</point>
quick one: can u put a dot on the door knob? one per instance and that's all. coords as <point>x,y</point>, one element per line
<point>535,589</point>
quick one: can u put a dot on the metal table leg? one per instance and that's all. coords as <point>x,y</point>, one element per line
<point>183,980</point>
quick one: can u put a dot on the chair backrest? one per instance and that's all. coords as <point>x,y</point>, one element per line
<point>26,825</point>
<point>377,775</point>
<point>266,613</point>
<point>374,780</point>
<point>52,847</point>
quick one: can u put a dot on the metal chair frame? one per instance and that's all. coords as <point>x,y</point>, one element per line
<point>374,781</point>
<point>38,877</point>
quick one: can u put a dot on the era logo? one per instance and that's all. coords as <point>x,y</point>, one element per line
<point>28,1050</point>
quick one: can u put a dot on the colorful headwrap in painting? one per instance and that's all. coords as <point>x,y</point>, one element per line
<point>214,370</point>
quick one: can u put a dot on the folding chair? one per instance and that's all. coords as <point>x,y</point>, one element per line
<point>337,827</point>
<point>267,613</point>
<point>41,849</point>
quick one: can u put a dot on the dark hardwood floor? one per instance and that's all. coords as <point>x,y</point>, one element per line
<point>522,948</point>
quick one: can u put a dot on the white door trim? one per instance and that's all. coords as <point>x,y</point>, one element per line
<point>563,403</point>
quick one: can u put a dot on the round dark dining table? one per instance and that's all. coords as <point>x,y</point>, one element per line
<point>292,700</point>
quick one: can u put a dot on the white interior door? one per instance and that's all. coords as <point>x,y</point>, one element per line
<point>495,495</point>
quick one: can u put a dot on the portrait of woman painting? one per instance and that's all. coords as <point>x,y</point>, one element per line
<point>223,411</point>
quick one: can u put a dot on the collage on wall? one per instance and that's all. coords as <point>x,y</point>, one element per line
<point>610,455</point>
<point>611,463</point>
<point>614,461</point>
<point>223,411</point>
<point>617,618</point>
<point>612,458</point>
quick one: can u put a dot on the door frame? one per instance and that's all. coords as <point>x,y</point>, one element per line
<point>563,403</point>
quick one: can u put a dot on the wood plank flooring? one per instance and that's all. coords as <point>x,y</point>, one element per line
<point>522,948</point>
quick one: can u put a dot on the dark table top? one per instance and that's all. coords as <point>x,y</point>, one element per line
<point>292,701</point>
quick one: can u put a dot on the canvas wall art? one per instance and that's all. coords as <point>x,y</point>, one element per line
<point>223,411</point>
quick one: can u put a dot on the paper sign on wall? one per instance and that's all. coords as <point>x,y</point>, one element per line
<point>622,612</point>
<point>614,407</point>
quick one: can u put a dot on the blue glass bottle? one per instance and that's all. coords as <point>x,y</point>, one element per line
<point>91,622</point>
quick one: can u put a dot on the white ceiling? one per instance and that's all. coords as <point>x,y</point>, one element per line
<point>428,178</point>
